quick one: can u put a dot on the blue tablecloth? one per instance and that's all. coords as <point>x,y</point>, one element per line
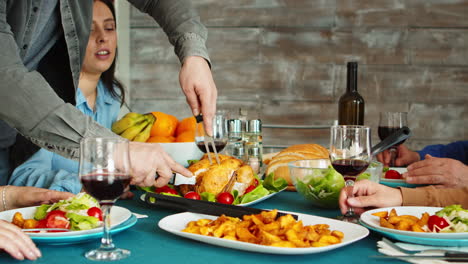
<point>149,244</point>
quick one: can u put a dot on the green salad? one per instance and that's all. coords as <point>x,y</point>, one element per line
<point>457,218</point>
<point>76,210</point>
<point>322,187</point>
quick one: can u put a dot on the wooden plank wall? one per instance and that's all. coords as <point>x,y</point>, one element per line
<point>286,59</point>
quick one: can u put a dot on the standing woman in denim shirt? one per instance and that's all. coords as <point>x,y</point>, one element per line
<point>99,96</point>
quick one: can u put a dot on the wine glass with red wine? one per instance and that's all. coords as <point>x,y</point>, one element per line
<point>389,122</point>
<point>220,136</point>
<point>105,174</point>
<point>350,155</point>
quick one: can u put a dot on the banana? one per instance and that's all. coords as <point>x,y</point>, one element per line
<point>145,133</point>
<point>131,132</point>
<point>151,118</point>
<point>133,115</point>
<point>129,120</point>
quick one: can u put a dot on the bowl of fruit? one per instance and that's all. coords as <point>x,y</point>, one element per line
<point>176,137</point>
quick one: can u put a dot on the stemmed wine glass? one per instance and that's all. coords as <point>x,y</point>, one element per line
<point>350,155</point>
<point>105,174</point>
<point>220,135</point>
<point>390,122</point>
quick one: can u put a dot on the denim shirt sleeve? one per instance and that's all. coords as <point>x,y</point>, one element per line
<point>456,150</point>
<point>38,171</point>
<point>180,22</point>
<point>32,107</point>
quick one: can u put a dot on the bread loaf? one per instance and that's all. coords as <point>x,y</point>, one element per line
<point>278,164</point>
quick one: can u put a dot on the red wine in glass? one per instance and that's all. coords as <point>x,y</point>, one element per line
<point>105,187</point>
<point>388,123</point>
<point>105,174</point>
<point>385,131</point>
<point>350,168</point>
<point>350,156</point>
<point>219,145</point>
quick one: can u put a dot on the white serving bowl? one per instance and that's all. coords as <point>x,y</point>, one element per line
<point>182,152</point>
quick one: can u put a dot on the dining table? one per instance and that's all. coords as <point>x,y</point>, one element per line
<point>150,244</point>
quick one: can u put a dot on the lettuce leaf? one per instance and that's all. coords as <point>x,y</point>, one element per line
<point>274,185</point>
<point>257,193</point>
<point>206,196</point>
<point>81,222</point>
<point>41,212</point>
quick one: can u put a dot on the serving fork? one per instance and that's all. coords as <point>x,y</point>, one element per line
<point>206,140</point>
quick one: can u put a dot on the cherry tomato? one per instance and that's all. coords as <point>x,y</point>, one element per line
<point>57,219</point>
<point>255,183</point>
<point>42,223</point>
<point>192,195</point>
<point>162,189</point>
<point>392,174</point>
<point>166,189</point>
<point>225,198</point>
<point>249,189</point>
<point>96,212</point>
<point>436,223</point>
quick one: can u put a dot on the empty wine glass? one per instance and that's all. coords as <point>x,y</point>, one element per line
<point>390,122</point>
<point>105,174</point>
<point>350,155</point>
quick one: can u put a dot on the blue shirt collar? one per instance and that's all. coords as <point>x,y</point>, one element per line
<point>103,96</point>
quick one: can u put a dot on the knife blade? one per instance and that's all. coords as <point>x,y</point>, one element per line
<point>203,207</point>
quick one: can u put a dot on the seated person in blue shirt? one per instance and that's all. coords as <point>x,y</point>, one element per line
<point>99,95</point>
<point>440,165</point>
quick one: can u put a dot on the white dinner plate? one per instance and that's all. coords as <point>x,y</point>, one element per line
<point>352,233</point>
<point>374,222</point>
<point>118,215</point>
<point>142,197</point>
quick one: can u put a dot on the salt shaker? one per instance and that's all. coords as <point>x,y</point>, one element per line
<point>235,145</point>
<point>253,143</point>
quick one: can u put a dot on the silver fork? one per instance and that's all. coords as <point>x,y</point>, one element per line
<point>210,139</point>
<point>411,252</point>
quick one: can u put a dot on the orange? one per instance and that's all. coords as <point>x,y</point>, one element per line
<point>165,125</point>
<point>186,124</point>
<point>186,136</point>
<point>161,139</point>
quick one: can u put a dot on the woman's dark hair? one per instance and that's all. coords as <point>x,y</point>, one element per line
<point>108,77</point>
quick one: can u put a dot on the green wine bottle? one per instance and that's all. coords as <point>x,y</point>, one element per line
<point>351,103</point>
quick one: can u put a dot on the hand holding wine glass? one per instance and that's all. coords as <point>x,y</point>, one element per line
<point>105,174</point>
<point>350,155</point>
<point>389,122</point>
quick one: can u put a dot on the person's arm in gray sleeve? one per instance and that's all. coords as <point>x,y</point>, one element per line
<point>30,105</point>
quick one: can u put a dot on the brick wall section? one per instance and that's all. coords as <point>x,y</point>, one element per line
<point>286,59</point>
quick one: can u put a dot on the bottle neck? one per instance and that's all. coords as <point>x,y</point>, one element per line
<point>352,78</point>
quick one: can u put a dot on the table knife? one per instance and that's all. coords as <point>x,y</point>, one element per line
<point>202,207</point>
<point>451,256</point>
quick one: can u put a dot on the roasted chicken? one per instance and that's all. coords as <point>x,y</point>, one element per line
<point>217,178</point>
